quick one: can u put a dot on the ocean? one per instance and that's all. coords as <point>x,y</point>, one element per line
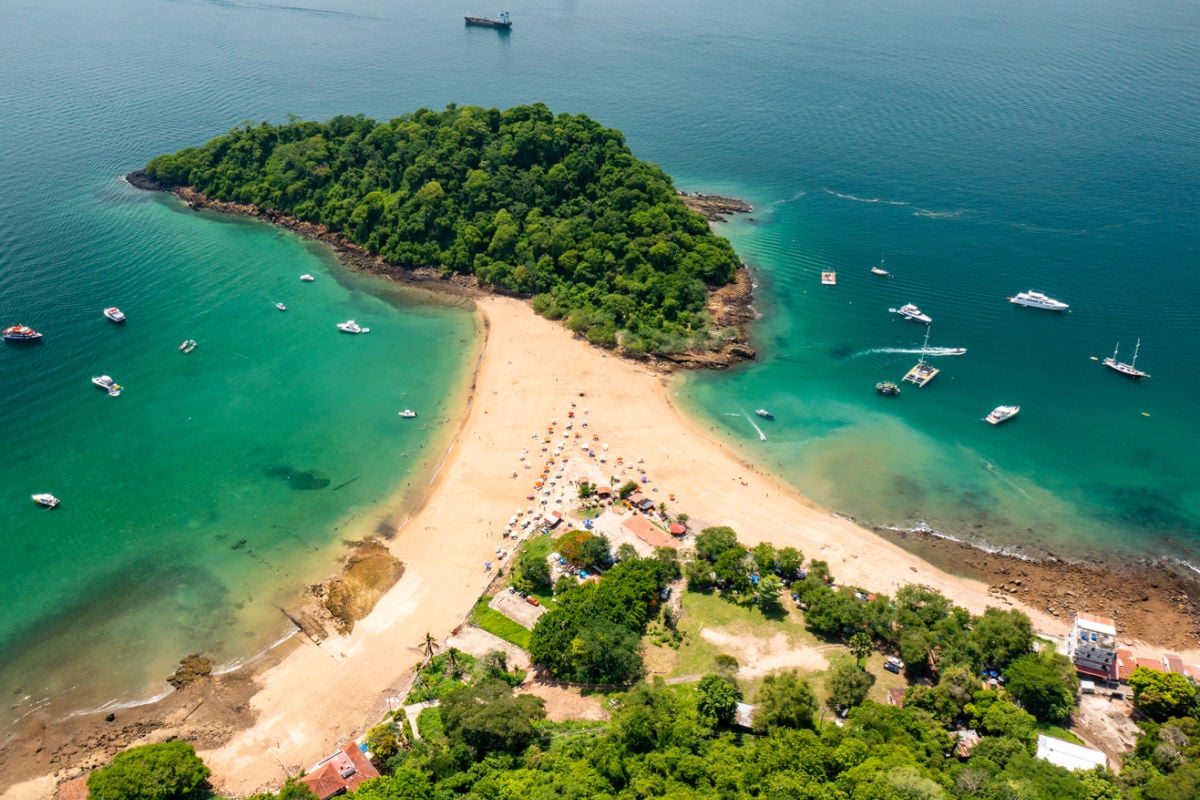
<point>979,150</point>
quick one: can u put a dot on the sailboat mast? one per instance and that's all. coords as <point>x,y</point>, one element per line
<point>925,347</point>
<point>1136,347</point>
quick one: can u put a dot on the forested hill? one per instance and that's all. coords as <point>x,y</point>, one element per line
<point>554,207</point>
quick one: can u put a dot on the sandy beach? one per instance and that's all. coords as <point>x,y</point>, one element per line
<point>310,698</point>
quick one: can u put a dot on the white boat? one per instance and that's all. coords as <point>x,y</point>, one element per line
<point>107,384</point>
<point>408,413</point>
<point>188,345</point>
<point>922,372</point>
<point>306,277</point>
<point>1129,369</point>
<point>115,314</point>
<point>350,326</point>
<point>762,412</point>
<point>1032,299</point>
<point>880,270</point>
<point>910,311</point>
<point>1001,413</point>
<point>281,306</point>
<point>829,278</point>
<point>21,333</point>
<point>46,500</point>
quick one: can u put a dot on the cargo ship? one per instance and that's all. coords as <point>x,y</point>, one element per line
<point>504,23</point>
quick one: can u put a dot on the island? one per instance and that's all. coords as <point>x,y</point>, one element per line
<point>555,208</point>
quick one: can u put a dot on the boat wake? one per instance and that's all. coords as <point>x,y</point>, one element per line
<point>932,351</point>
<point>872,200</point>
<point>762,437</point>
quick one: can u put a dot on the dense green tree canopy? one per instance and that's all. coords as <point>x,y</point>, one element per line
<point>166,771</point>
<point>1162,694</point>
<point>556,207</point>
<point>1045,684</point>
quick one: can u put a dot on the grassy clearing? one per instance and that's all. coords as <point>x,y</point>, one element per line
<point>1059,733</point>
<point>429,724</point>
<point>496,623</point>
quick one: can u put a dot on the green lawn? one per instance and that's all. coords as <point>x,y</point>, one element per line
<point>496,623</point>
<point>429,724</point>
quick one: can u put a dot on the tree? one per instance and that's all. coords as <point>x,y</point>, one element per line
<point>1002,718</point>
<point>489,718</point>
<point>628,488</point>
<point>712,543</point>
<point>429,646</point>
<point>716,701</point>
<point>785,700</point>
<point>532,571</point>
<point>1044,684</point>
<point>861,646</point>
<point>1162,694</point>
<point>847,684</point>
<point>790,562</point>
<point>166,771</point>
<point>764,558</point>
<point>626,552</point>
<point>999,637</point>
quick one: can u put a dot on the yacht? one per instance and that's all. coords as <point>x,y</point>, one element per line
<point>829,278</point>
<point>281,306</point>
<point>306,277</point>
<point>762,412</point>
<point>108,384</point>
<point>1001,413</point>
<point>1129,369</point>
<point>21,333</point>
<point>888,388</point>
<point>408,413</point>
<point>350,326</point>
<point>1032,299</point>
<point>46,500</point>
<point>922,372</point>
<point>880,270</point>
<point>910,311</point>
<point>188,345</point>
<point>115,314</point>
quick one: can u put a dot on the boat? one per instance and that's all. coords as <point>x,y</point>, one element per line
<point>1129,369</point>
<point>306,277</point>
<point>829,278</point>
<point>408,413</point>
<point>281,306</point>
<point>21,333</point>
<point>888,388</point>
<point>188,345</point>
<point>46,500</point>
<point>108,384</point>
<point>350,326</point>
<point>1032,299</point>
<point>922,372</point>
<point>503,23</point>
<point>1001,413</point>
<point>880,270</point>
<point>115,314</point>
<point>762,412</point>
<point>910,311</point>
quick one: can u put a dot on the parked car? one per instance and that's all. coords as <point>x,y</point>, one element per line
<point>893,664</point>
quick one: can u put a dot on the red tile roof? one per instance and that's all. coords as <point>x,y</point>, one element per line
<point>895,696</point>
<point>74,789</point>
<point>1125,664</point>
<point>1150,663</point>
<point>678,529</point>
<point>1095,618</point>
<point>1173,663</point>
<point>648,533</point>
<point>341,772</point>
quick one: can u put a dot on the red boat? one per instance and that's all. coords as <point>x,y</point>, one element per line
<point>21,333</point>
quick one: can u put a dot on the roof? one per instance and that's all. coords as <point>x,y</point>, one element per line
<point>341,772</point>
<point>1125,664</point>
<point>1071,756</point>
<point>895,696</point>
<point>325,782</point>
<point>678,528</point>
<point>1173,663</point>
<point>1193,671</point>
<point>1104,673</point>
<point>743,715</point>
<point>74,789</point>
<point>1149,663</point>
<point>636,498</point>
<point>1096,623</point>
<point>648,533</point>
<point>603,490</point>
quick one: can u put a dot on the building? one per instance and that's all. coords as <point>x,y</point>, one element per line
<point>743,716</point>
<point>1070,756</point>
<point>648,532</point>
<point>1092,646</point>
<point>339,773</point>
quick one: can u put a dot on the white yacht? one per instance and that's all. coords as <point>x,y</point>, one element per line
<point>408,413</point>
<point>46,500</point>
<point>107,384</point>
<point>350,326</point>
<point>1129,369</point>
<point>306,277</point>
<point>910,311</point>
<point>1032,299</point>
<point>1001,413</point>
<point>762,412</point>
<point>115,314</point>
<point>281,306</point>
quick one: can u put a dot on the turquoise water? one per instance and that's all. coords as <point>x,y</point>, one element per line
<point>982,149</point>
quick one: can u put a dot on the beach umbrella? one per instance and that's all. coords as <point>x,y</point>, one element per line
<point>604,447</point>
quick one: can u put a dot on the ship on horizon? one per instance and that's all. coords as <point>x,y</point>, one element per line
<point>503,23</point>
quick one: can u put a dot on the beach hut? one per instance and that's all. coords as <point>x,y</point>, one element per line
<point>678,529</point>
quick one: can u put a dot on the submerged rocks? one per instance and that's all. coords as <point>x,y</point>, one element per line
<point>190,669</point>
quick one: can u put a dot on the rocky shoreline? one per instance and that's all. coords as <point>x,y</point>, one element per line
<point>729,305</point>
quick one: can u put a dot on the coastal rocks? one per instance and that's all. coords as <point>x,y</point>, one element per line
<point>712,207</point>
<point>340,601</point>
<point>190,669</point>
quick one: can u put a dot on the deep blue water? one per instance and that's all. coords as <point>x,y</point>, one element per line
<point>982,149</point>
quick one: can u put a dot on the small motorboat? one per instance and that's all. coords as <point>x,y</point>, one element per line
<point>880,270</point>
<point>46,500</point>
<point>21,333</point>
<point>115,314</point>
<point>350,326</point>
<point>306,277</point>
<point>762,412</point>
<point>281,306</point>
<point>1001,413</point>
<point>188,345</point>
<point>888,388</point>
<point>829,278</point>
<point>108,384</point>
<point>408,413</point>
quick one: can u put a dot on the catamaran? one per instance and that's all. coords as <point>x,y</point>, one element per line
<point>1129,369</point>
<point>922,372</point>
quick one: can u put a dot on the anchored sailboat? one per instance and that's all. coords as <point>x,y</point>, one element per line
<point>922,372</point>
<point>1129,369</point>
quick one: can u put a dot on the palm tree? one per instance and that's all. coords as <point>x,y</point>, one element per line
<point>429,646</point>
<point>452,662</point>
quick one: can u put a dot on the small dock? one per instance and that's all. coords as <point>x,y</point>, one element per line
<point>829,278</point>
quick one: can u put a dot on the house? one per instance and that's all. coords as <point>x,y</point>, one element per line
<point>648,532</point>
<point>641,502</point>
<point>1092,646</point>
<point>1149,663</point>
<point>339,773</point>
<point>1173,663</point>
<point>743,716</point>
<point>604,492</point>
<point>1125,664</point>
<point>74,789</point>
<point>678,529</point>
<point>1070,756</point>
<point>552,519</point>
